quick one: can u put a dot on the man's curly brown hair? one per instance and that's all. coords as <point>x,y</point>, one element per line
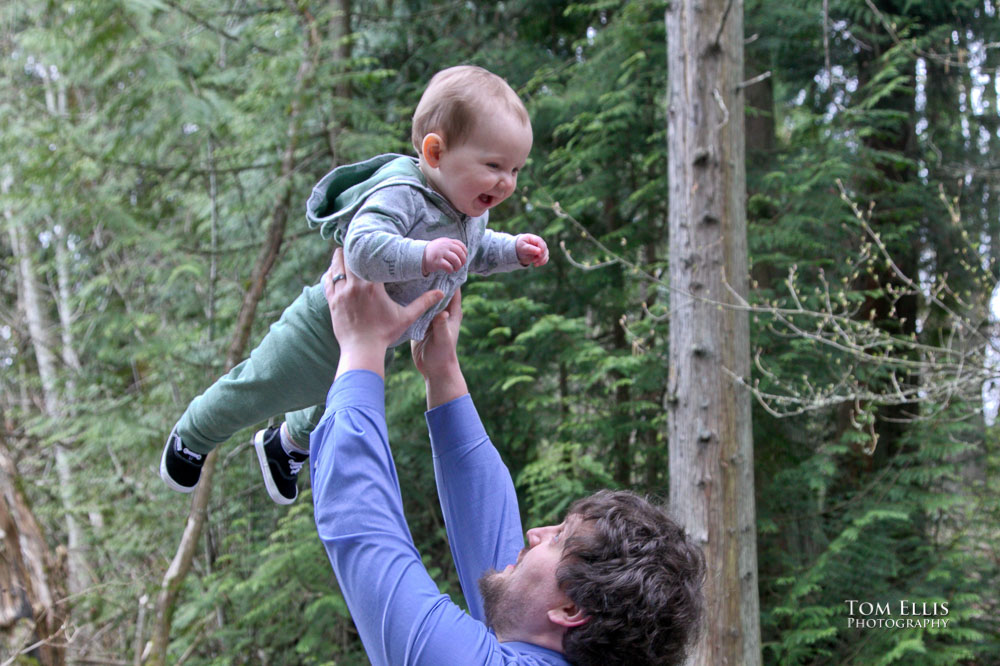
<point>637,577</point>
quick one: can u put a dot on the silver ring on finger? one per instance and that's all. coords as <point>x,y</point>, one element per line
<point>336,278</point>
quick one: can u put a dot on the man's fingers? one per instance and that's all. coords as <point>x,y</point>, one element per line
<point>422,303</point>
<point>336,268</point>
<point>439,319</point>
<point>337,262</point>
<point>454,308</point>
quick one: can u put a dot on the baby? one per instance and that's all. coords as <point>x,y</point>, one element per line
<point>414,224</point>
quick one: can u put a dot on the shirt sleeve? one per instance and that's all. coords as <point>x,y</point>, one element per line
<point>477,496</point>
<point>497,253</point>
<point>376,246</point>
<point>400,614</point>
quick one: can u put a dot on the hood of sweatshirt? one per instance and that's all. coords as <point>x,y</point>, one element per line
<point>339,194</point>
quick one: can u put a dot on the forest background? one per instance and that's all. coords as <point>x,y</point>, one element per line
<point>155,158</point>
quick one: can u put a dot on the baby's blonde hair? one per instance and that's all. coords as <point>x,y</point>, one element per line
<point>456,97</point>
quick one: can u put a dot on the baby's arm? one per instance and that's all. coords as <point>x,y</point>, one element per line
<point>500,252</point>
<point>377,249</point>
<point>375,245</point>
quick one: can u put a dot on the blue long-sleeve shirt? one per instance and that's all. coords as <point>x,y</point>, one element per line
<point>401,616</point>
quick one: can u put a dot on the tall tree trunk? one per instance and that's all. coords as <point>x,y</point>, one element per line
<point>180,565</point>
<point>711,446</point>
<point>44,346</point>
<point>339,36</point>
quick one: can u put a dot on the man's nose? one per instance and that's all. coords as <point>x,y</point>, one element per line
<point>536,535</point>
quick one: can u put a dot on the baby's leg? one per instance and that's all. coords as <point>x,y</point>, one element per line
<point>291,368</point>
<point>302,422</point>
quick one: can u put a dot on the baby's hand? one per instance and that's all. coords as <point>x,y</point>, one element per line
<point>444,254</point>
<point>531,250</point>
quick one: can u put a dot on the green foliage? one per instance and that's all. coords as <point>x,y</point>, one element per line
<point>899,538</point>
<point>146,140</point>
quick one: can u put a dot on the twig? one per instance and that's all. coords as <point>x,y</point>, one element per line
<point>657,318</point>
<point>219,31</point>
<point>897,271</point>
<point>617,259</point>
<point>722,105</point>
<point>585,267</point>
<point>754,80</point>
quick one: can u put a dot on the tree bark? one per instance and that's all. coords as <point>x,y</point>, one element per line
<point>339,36</point>
<point>25,563</point>
<point>711,447</point>
<point>180,565</point>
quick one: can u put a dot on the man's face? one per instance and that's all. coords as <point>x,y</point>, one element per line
<point>481,172</point>
<point>516,600</point>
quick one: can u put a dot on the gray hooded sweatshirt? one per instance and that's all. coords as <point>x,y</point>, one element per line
<point>384,213</point>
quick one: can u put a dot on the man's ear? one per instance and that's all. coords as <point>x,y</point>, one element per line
<point>567,615</point>
<point>431,149</point>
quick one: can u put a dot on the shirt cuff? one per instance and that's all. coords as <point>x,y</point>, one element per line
<point>510,254</point>
<point>357,388</point>
<point>411,259</point>
<point>454,424</point>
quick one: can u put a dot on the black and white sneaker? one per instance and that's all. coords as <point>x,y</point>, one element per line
<point>280,469</point>
<point>180,467</point>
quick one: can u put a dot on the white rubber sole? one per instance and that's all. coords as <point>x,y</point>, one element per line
<point>173,485</point>
<point>272,490</point>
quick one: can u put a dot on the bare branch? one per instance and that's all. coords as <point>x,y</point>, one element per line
<point>722,105</point>
<point>757,79</point>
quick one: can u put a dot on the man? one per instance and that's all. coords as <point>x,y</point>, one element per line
<point>615,583</point>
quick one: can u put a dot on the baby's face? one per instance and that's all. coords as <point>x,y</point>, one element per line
<point>482,171</point>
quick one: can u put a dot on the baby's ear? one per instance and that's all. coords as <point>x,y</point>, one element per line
<point>431,148</point>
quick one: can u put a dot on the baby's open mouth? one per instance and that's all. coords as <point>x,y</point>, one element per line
<point>486,199</point>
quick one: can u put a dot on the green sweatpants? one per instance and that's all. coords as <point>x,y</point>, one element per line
<point>289,372</point>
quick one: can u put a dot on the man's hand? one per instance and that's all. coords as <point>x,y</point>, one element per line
<point>444,254</point>
<point>365,320</point>
<point>531,250</point>
<point>438,348</point>
<point>436,356</point>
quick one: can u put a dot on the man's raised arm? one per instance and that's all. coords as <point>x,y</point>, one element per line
<point>474,486</point>
<point>399,612</point>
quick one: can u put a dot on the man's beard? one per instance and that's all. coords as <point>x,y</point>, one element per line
<point>501,609</point>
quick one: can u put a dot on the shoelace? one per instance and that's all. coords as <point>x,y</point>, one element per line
<point>186,453</point>
<point>294,466</point>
